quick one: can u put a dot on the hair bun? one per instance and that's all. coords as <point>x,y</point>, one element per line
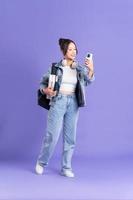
<point>61,41</point>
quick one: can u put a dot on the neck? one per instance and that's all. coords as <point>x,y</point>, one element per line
<point>69,62</point>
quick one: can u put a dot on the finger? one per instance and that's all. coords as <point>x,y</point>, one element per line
<point>88,60</point>
<point>54,93</point>
<point>86,64</point>
<point>51,90</point>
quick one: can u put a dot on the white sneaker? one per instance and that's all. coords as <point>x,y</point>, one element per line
<point>39,169</point>
<point>68,173</point>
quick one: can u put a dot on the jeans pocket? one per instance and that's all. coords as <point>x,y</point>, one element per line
<point>59,97</point>
<point>55,99</point>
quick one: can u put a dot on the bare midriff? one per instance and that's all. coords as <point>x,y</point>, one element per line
<point>66,92</point>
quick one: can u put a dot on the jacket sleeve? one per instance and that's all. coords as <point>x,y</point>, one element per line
<point>44,80</point>
<point>85,76</point>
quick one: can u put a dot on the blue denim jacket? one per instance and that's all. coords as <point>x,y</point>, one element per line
<point>82,75</point>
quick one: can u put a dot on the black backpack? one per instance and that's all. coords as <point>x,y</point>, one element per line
<point>42,100</point>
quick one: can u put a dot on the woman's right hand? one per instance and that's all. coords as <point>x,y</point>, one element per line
<point>49,91</point>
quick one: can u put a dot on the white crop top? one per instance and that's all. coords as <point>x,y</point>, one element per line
<point>69,80</point>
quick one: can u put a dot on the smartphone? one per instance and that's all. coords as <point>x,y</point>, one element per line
<point>89,56</point>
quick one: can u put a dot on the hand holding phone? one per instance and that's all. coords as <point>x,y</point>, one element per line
<point>89,61</point>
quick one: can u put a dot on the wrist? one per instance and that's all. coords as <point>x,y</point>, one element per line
<point>91,70</point>
<point>91,73</point>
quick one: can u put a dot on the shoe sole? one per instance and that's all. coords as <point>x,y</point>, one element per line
<point>63,174</point>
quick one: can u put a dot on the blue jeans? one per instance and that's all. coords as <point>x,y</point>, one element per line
<point>63,110</point>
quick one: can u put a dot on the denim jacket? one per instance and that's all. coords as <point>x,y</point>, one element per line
<point>82,76</point>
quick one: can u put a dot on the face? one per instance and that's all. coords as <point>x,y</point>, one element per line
<point>71,52</point>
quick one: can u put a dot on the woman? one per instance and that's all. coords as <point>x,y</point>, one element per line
<point>64,109</point>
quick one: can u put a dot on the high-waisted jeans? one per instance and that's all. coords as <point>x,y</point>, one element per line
<point>63,111</point>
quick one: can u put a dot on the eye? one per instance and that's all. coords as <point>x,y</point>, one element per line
<point>72,49</point>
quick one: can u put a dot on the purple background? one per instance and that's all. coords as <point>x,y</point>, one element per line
<point>29,33</point>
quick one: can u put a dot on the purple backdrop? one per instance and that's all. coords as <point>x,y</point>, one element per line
<point>29,43</point>
<point>29,33</point>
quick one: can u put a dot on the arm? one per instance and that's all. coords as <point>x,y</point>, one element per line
<point>44,84</point>
<point>89,71</point>
<point>87,75</point>
<point>44,80</point>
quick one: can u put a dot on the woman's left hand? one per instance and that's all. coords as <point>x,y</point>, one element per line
<point>89,64</point>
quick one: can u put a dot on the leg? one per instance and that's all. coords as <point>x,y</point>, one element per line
<point>69,133</point>
<point>54,124</point>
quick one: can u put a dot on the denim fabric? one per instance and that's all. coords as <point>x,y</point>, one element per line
<point>64,112</point>
<point>82,74</point>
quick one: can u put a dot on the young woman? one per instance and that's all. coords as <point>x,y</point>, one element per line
<point>64,109</point>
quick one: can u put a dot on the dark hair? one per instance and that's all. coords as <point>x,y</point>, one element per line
<point>64,43</point>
